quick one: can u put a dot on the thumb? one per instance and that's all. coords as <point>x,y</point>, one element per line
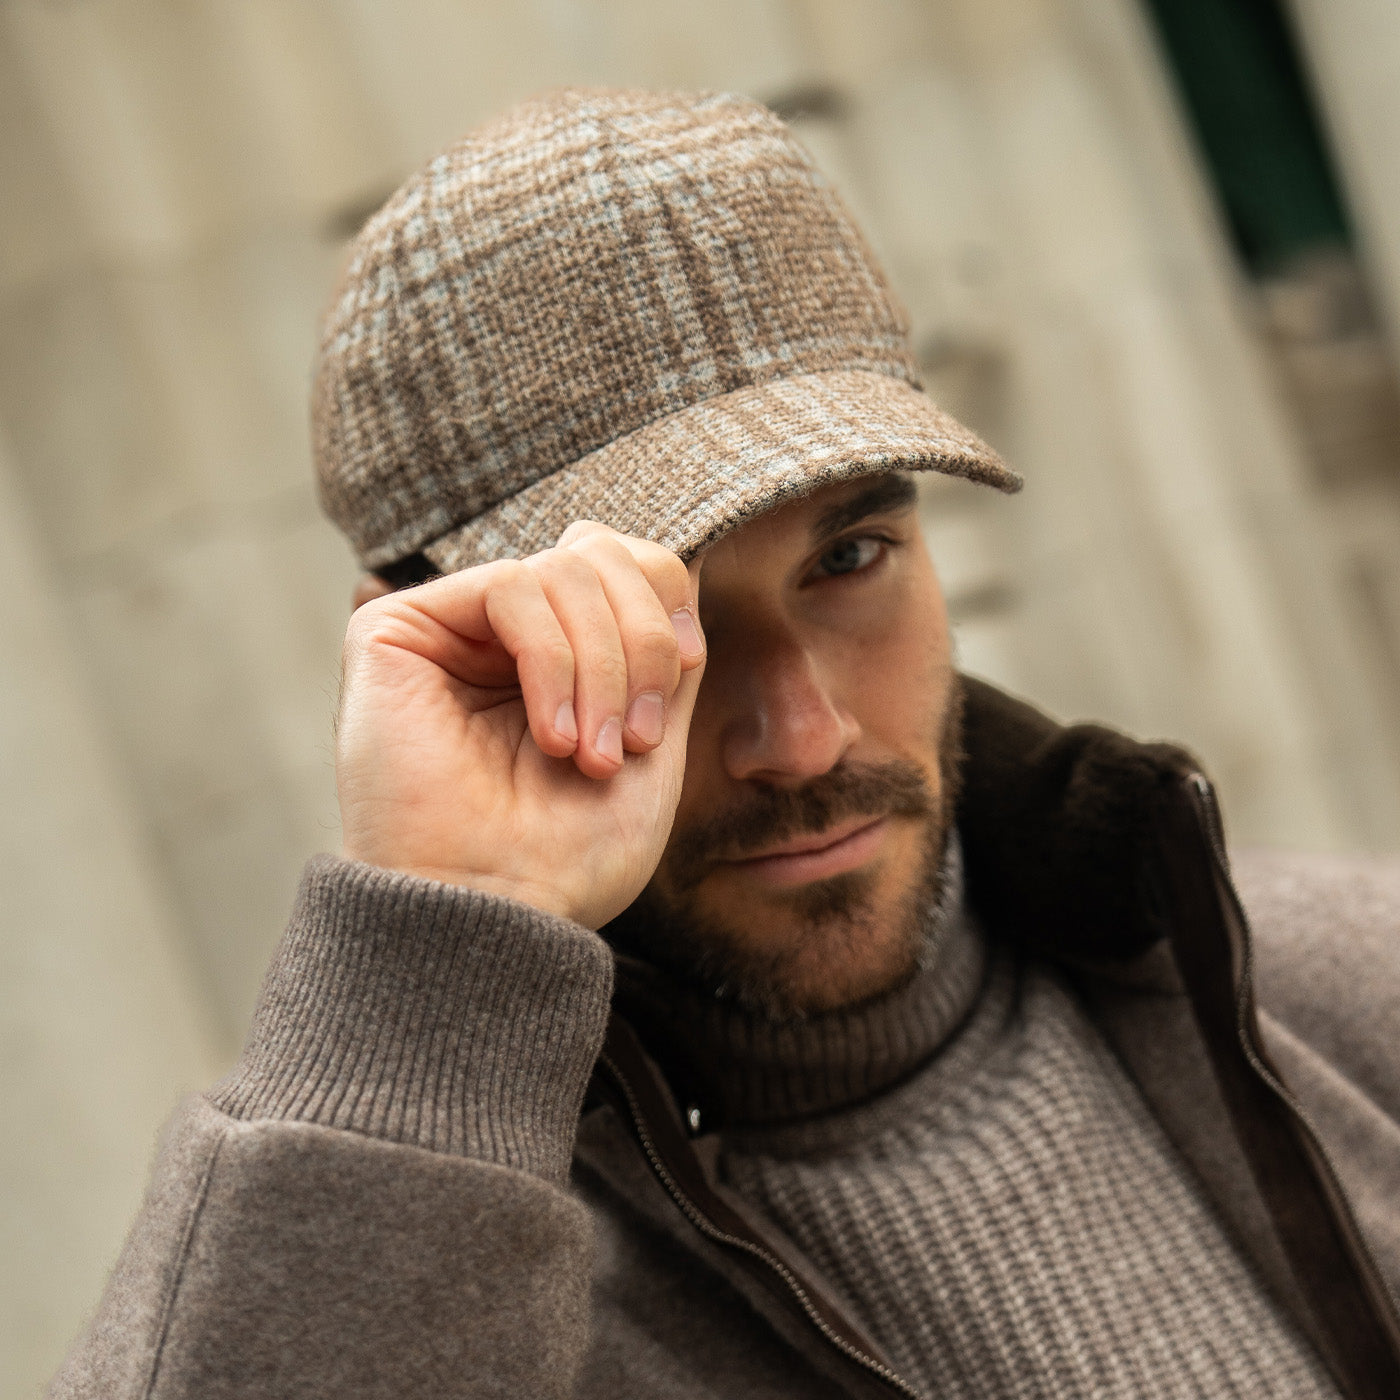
<point>682,705</point>
<point>681,708</point>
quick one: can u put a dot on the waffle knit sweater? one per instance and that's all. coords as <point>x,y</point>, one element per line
<point>1004,1215</point>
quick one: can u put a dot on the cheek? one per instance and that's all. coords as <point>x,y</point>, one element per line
<point>899,668</point>
<point>899,694</point>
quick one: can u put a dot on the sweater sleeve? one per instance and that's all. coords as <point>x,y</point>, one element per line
<point>373,1203</point>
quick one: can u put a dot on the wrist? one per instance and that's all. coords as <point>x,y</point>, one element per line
<point>531,893</point>
<point>415,1013</point>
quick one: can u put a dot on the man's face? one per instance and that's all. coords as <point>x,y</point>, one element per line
<point>821,761</point>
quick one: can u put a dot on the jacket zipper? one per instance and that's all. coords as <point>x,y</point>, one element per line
<point>1209,810</point>
<point>1206,812</point>
<point>707,1227</point>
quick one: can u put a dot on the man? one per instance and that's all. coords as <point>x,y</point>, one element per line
<point>918,1053</point>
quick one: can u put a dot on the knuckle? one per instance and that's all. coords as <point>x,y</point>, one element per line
<point>611,546</point>
<point>559,566</point>
<point>581,530</point>
<point>512,569</point>
<point>367,620</point>
<point>508,574</point>
<point>603,553</point>
<point>653,644</point>
<point>554,653</point>
<point>672,576</point>
<point>663,568</point>
<point>607,671</point>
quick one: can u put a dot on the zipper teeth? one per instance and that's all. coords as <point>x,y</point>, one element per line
<point>1245,995</point>
<point>709,1228</point>
<point>1215,831</point>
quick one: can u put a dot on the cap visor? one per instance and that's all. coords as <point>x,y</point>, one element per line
<point>686,479</point>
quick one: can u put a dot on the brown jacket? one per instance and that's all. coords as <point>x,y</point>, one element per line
<point>400,1191</point>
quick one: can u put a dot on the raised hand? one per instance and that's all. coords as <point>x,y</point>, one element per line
<point>520,727</point>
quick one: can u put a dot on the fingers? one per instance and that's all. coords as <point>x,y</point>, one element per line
<point>597,633</point>
<point>584,612</point>
<point>628,608</point>
<point>676,586</point>
<point>489,628</point>
<point>652,597</point>
<point>524,621</point>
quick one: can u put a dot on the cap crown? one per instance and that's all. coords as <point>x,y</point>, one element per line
<point>585,265</point>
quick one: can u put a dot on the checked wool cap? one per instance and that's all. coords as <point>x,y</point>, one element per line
<point>649,309</point>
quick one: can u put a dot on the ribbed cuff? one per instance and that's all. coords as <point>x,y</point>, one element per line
<point>426,1014</point>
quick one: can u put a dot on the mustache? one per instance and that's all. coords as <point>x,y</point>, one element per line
<point>894,788</point>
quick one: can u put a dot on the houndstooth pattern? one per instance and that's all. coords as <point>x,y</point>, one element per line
<point>1013,1225</point>
<point>590,265</point>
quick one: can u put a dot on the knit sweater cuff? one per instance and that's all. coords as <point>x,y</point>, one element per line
<point>427,1014</point>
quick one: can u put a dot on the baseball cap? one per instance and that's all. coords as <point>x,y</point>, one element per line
<point>649,309</point>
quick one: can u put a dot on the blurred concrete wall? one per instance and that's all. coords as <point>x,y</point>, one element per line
<point>179,180</point>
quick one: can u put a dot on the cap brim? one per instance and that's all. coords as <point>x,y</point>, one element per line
<point>693,476</point>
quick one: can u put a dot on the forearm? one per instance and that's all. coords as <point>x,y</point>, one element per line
<point>373,1202</point>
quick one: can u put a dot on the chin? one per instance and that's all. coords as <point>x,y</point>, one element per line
<point>835,944</point>
<point>828,983</point>
<point>799,951</point>
<point>822,946</point>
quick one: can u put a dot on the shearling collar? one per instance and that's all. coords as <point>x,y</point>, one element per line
<point>1059,829</point>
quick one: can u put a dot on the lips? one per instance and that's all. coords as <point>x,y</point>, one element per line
<point>811,842</point>
<point>815,856</point>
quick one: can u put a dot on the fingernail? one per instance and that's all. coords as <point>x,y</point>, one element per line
<point>610,739</point>
<point>565,725</point>
<point>646,717</point>
<point>687,633</point>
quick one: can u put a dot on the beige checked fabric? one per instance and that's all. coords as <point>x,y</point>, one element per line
<point>648,309</point>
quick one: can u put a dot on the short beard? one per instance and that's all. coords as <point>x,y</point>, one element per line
<point>665,930</point>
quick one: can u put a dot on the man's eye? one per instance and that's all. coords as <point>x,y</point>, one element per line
<point>850,556</point>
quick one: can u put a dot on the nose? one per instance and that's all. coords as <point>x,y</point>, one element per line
<point>785,724</point>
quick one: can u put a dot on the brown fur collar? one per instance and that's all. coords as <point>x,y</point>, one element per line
<point>1058,828</point>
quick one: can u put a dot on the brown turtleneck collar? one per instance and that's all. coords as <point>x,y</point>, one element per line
<point>740,1067</point>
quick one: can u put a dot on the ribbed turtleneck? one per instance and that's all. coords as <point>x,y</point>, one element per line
<point>970,1168</point>
<point>739,1067</point>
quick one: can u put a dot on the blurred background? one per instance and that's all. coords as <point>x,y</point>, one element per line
<point>1151,249</point>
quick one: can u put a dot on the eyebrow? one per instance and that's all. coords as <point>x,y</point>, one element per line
<point>886,494</point>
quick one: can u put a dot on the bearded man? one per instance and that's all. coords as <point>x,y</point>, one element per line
<point>718,995</point>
